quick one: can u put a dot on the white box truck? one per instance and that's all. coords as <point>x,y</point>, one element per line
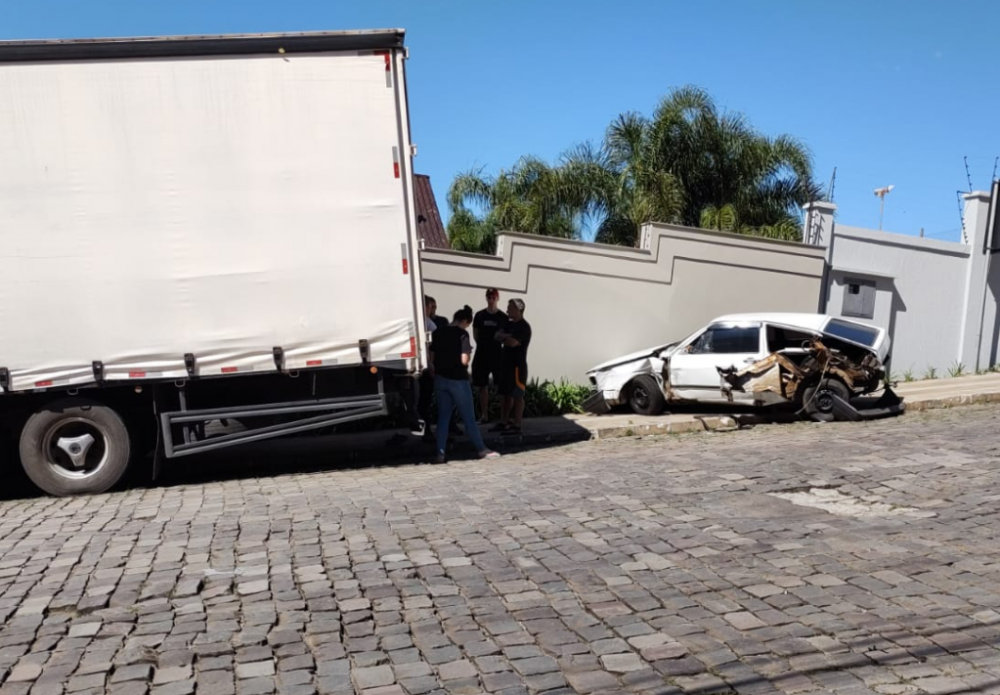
<point>200,229</point>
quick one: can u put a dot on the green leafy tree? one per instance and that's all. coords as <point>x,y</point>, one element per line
<point>689,163</point>
<point>526,198</point>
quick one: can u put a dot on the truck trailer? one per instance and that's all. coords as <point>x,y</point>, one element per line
<point>198,230</point>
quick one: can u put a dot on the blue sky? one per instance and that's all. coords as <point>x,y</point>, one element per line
<point>887,92</point>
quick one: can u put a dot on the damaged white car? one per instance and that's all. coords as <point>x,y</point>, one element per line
<point>818,363</point>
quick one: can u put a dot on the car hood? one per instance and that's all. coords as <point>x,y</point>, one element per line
<point>631,357</point>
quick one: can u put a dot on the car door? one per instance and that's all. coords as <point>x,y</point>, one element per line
<point>694,368</point>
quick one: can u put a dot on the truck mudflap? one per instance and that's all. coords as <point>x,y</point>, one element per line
<point>889,404</point>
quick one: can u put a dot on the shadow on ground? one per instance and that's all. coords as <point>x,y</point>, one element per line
<point>744,415</point>
<point>749,415</point>
<point>311,454</point>
<point>369,449</point>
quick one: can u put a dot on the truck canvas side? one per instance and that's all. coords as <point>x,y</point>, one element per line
<point>200,229</point>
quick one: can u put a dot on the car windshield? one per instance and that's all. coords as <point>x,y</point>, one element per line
<point>856,333</point>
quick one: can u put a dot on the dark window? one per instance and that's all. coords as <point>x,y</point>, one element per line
<point>859,299</point>
<point>728,340</point>
<point>779,338</point>
<point>863,335</point>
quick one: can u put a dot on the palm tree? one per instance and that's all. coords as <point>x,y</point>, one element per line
<point>688,164</point>
<point>691,164</point>
<point>527,198</point>
<point>734,178</point>
<point>620,186</point>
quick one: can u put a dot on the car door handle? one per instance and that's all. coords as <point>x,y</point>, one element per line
<point>749,360</point>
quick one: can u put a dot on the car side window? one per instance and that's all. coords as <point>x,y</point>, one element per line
<point>785,338</point>
<point>721,340</point>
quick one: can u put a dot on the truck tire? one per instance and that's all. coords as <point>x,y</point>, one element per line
<point>818,399</point>
<point>75,447</point>
<point>645,396</point>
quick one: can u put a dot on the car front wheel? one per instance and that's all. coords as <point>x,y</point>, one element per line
<point>645,396</point>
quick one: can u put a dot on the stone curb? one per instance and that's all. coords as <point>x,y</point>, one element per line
<point>694,424</point>
<point>951,401</point>
<point>724,423</point>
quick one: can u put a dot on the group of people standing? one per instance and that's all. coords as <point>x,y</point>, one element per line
<point>502,340</point>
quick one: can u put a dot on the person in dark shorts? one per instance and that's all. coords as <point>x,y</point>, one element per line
<point>486,362</point>
<point>417,394</point>
<point>451,352</point>
<point>516,337</point>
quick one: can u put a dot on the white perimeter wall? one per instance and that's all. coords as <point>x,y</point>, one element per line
<point>588,303</point>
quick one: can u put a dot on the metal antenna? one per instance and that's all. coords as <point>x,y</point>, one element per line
<point>995,162</point>
<point>833,182</point>
<point>961,213</point>
<point>968,176</point>
<point>880,193</point>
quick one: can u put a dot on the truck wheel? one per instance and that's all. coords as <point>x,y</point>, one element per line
<point>645,396</point>
<point>75,447</point>
<point>818,399</point>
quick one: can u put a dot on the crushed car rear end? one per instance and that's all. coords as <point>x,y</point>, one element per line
<point>837,365</point>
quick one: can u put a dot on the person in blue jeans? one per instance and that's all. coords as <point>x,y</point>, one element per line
<point>451,352</point>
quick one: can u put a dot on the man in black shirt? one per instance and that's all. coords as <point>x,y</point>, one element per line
<point>516,337</point>
<point>433,321</point>
<point>425,399</point>
<point>486,362</point>
<point>418,397</point>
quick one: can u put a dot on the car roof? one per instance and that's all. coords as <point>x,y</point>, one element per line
<point>815,322</point>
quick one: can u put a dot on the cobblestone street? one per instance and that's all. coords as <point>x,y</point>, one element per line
<point>663,565</point>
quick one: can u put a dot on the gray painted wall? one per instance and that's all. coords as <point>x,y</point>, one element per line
<point>920,284</point>
<point>588,303</point>
<point>937,299</point>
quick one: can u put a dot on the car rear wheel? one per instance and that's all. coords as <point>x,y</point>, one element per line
<point>645,396</point>
<point>819,402</point>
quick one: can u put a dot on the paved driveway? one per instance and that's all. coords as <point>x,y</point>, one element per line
<point>654,566</point>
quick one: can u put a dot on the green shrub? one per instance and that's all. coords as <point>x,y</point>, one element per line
<point>549,399</point>
<point>544,399</point>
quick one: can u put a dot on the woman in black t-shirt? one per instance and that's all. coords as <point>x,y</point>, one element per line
<point>450,355</point>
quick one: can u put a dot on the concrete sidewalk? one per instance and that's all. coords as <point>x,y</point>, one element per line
<point>945,393</point>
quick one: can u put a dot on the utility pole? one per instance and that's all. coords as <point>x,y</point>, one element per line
<point>881,193</point>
